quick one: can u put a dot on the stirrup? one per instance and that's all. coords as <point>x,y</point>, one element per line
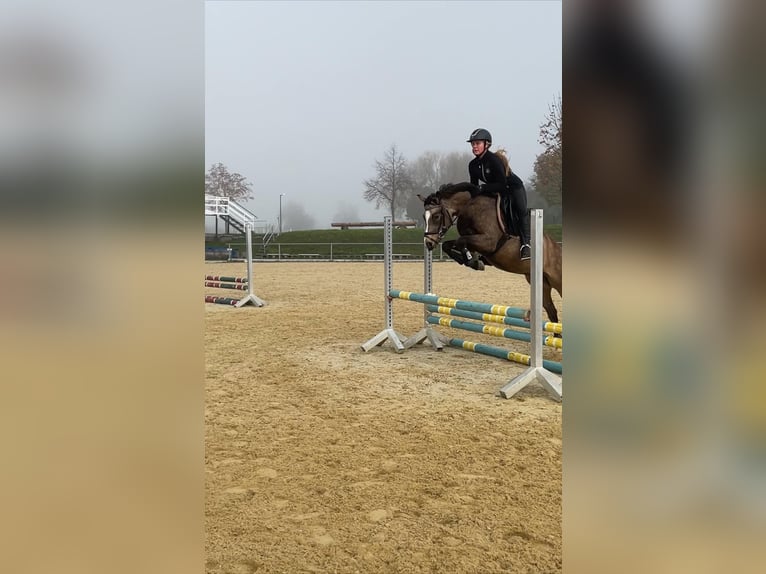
<point>525,252</point>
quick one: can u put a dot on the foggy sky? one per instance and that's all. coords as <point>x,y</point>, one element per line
<point>301,98</point>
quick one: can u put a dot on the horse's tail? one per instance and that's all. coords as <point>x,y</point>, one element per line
<point>503,155</point>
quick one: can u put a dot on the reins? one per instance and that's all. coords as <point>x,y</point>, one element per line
<point>443,229</point>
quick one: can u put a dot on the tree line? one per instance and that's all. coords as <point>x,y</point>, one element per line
<point>397,181</point>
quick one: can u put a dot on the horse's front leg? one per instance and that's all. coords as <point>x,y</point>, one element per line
<point>474,248</point>
<point>457,253</point>
<point>463,255</point>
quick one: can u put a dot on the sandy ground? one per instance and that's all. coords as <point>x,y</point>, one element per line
<point>323,458</point>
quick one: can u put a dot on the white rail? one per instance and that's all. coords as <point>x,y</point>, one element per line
<point>216,205</point>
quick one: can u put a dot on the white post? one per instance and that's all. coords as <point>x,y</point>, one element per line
<point>536,371</point>
<point>427,332</point>
<point>388,333</point>
<point>249,242</point>
<point>250,297</point>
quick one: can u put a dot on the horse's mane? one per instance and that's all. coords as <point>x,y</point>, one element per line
<point>447,190</point>
<point>503,155</point>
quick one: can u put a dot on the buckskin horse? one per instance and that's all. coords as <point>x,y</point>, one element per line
<point>477,221</point>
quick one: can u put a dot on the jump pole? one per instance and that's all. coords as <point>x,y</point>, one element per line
<point>388,333</point>
<point>536,371</point>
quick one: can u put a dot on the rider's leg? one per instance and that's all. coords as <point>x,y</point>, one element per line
<point>521,213</point>
<point>507,205</point>
<point>525,235</point>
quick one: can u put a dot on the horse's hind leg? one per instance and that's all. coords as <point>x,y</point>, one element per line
<point>550,308</point>
<point>548,305</point>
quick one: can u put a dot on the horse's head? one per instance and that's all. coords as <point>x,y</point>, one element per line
<point>442,209</point>
<point>438,219</point>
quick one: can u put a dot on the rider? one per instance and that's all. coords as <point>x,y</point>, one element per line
<point>489,168</point>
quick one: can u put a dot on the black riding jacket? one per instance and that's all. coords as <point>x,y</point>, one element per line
<point>489,170</point>
<point>514,183</point>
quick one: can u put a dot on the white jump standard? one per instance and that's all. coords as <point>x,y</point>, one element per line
<point>218,206</point>
<point>388,333</point>
<point>541,370</point>
<point>536,372</point>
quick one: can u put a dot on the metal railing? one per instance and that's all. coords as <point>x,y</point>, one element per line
<point>215,205</point>
<point>333,251</point>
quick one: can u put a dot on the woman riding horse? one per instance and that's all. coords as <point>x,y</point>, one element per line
<point>497,178</point>
<point>475,216</point>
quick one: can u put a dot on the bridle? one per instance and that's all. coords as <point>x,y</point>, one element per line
<point>448,220</point>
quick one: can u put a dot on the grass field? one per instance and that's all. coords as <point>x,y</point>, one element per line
<point>346,243</point>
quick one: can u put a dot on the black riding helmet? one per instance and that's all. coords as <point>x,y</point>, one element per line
<point>480,134</point>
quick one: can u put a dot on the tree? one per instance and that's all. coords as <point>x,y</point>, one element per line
<point>392,183</point>
<point>218,181</point>
<point>431,170</point>
<point>296,217</point>
<point>547,178</point>
<point>453,167</point>
<point>425,171</point>
<point>346,213</point>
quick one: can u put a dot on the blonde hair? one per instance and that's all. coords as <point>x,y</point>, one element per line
<point>503,155</point>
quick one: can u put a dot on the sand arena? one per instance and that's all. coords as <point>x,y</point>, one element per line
<point>323,458</point>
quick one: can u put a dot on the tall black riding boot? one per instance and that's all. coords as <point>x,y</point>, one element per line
<point>519,196</point>
<point>524,235</point>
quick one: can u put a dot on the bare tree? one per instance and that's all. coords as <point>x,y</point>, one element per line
<point>296,217</point>
<point>547,178</point>
<point>346,212</point>
<point>392,183</point>
<point>433,169</point>
<point>429,171</point>
<point>454,167</point>
<point>425,171</point>
<point>219,181</point>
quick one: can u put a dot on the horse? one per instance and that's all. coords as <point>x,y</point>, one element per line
<point>477,223</point>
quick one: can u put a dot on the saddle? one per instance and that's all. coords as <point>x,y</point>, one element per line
<point>503,208</point>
